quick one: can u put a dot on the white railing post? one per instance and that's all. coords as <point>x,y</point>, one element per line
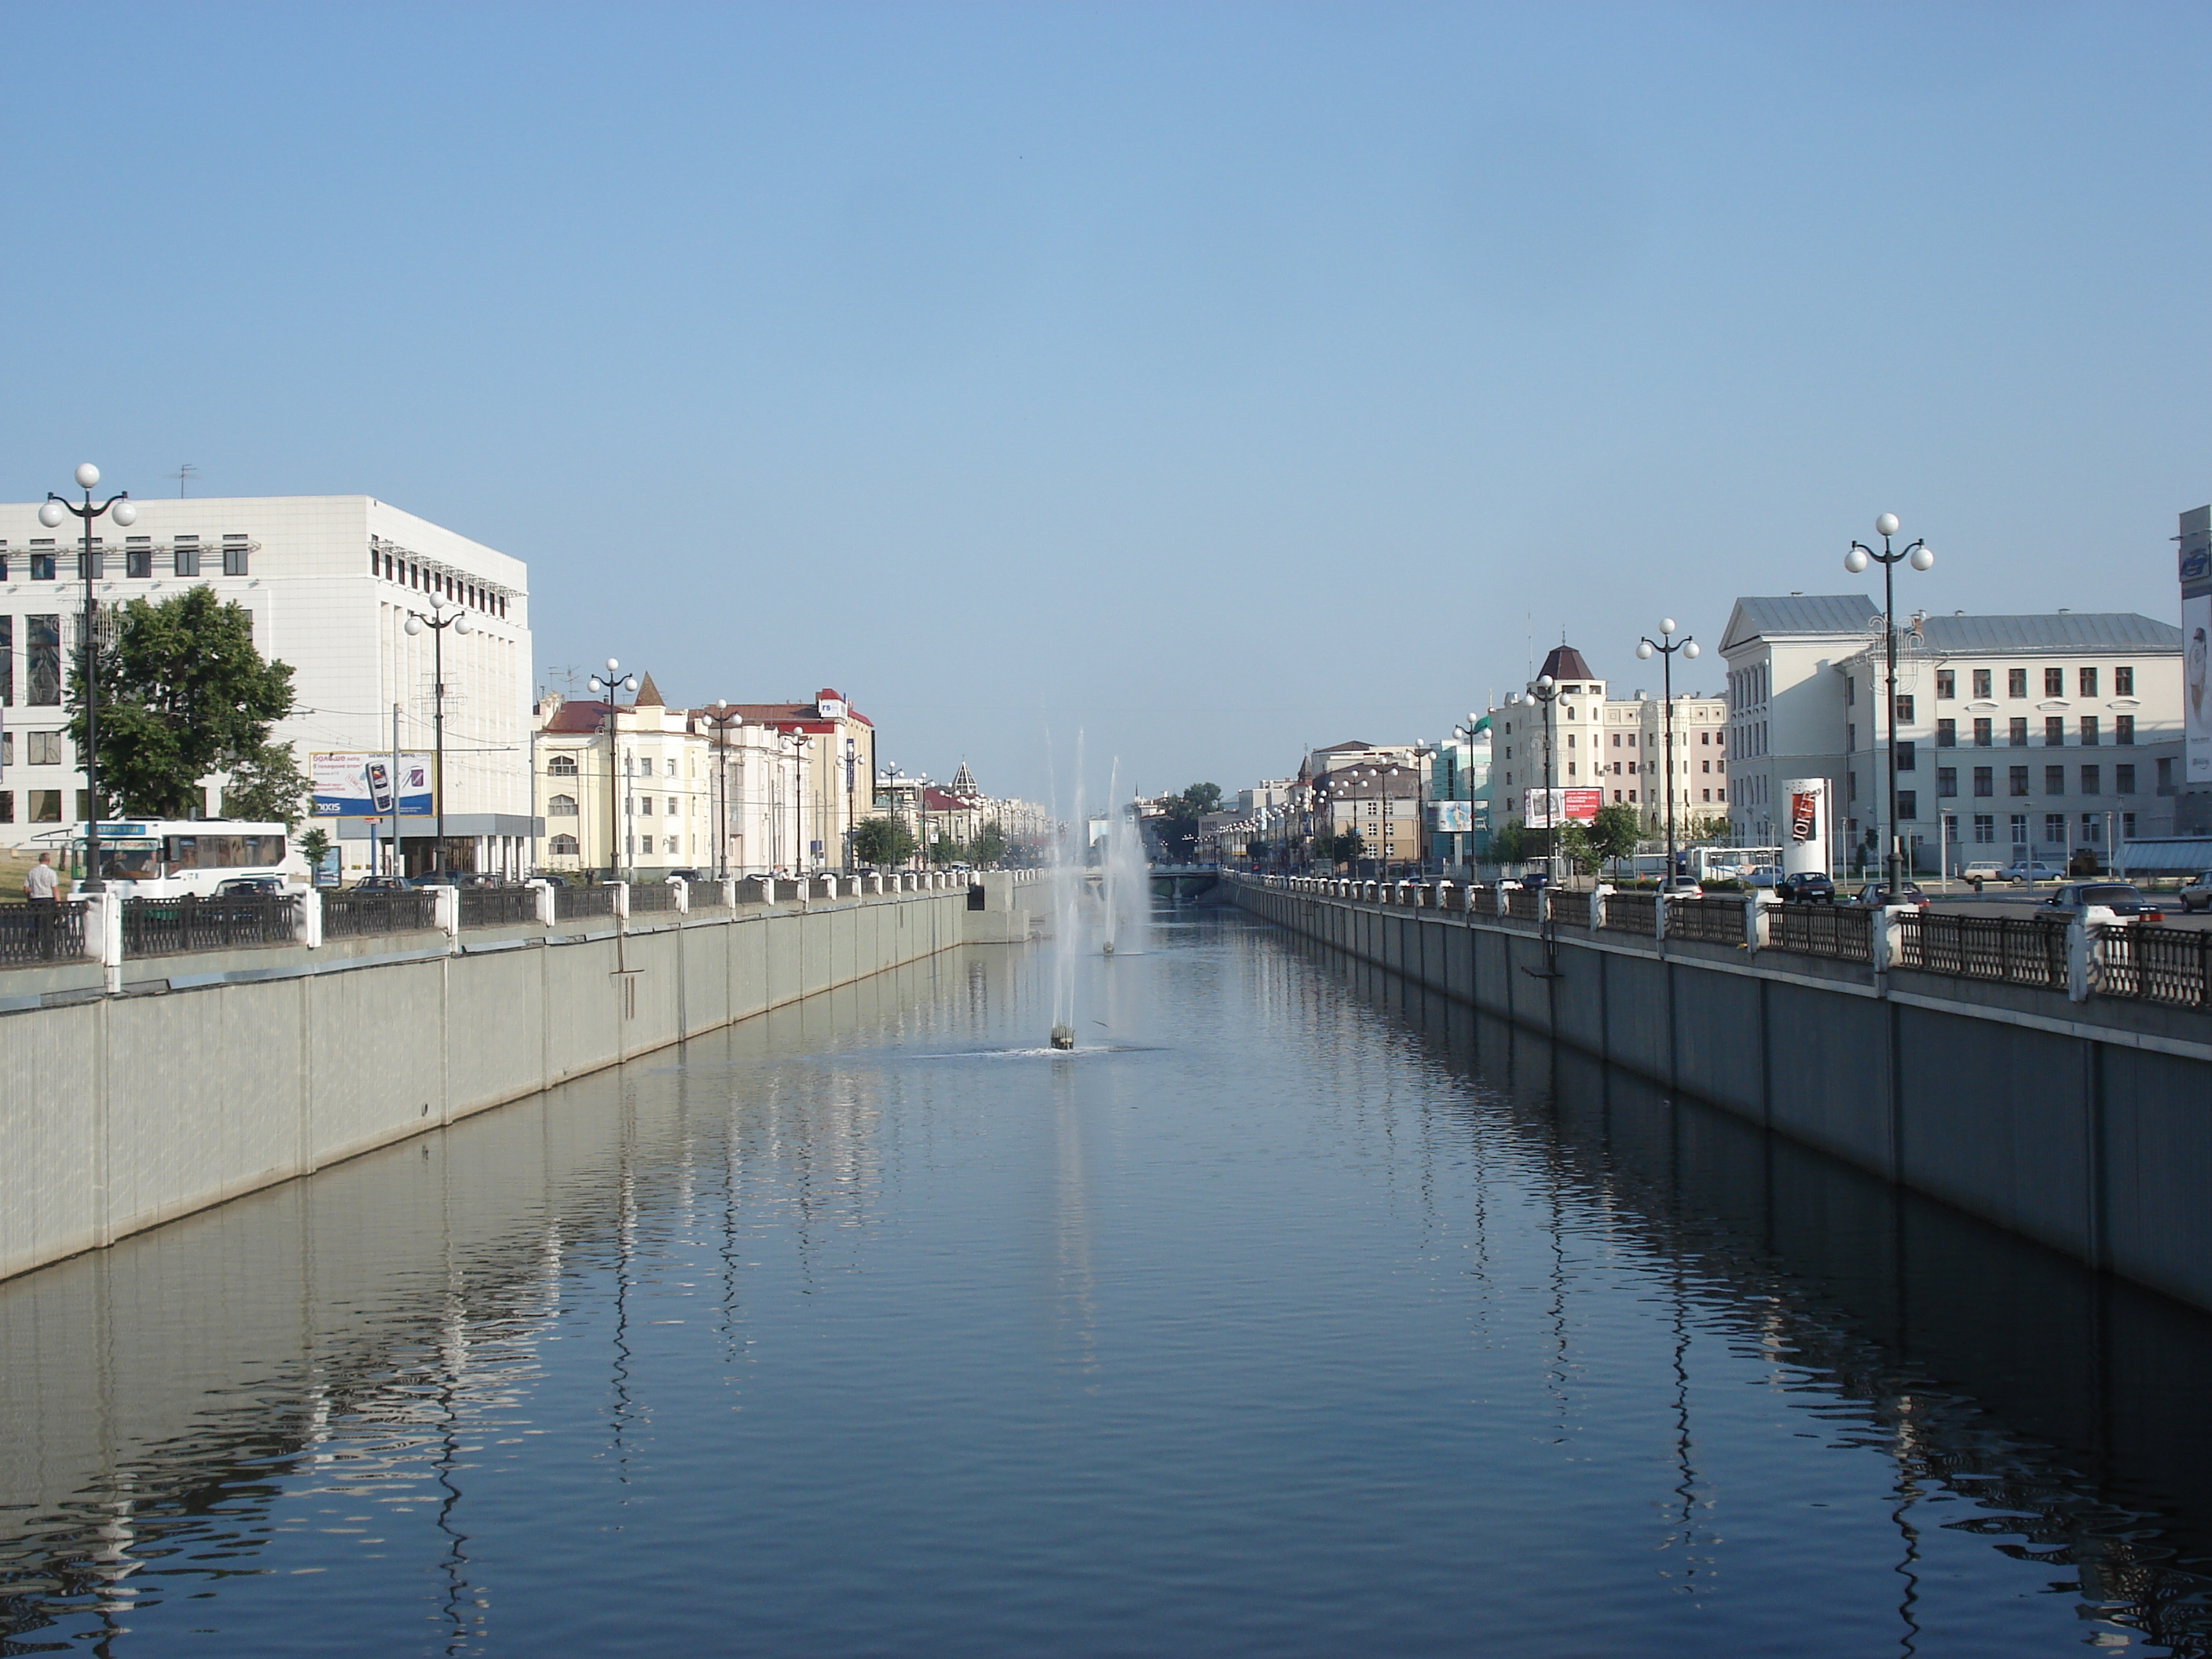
<point>309,925</point>
<point>621,900</point>
<point>103,933</point>
<point>541,896</point>
<point>1659,915</point>
<point>682,889</point>
<point>1885,931</point>
<point>2081,950</point>
<point>1758,918</point>
<point>445,910</point>
<point>1599,895</point>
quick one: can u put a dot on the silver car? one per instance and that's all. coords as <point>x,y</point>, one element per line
<point>2196,893</point>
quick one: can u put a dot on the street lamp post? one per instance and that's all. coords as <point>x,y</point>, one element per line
<point>1667,645</point>
<point>1542,690</point>
<point>438,622</point>
<point>1921,557</point>
<point>722,719</point>
<point>51,514</point>
<point>607,685</point>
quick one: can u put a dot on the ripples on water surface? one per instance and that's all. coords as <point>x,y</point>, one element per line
<point>1301,1316</point>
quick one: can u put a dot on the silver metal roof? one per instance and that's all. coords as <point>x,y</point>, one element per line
<point>2169,856</point>
<point>2057,630</point>
<point>1775,617</point>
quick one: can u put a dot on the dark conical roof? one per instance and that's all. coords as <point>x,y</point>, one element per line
<point>1565,663</point>
<point>648,694</point>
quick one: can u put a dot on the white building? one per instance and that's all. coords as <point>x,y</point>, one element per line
<point>329,582</point>
<point>1575,726</point>
<point>1635,755</point>
<point>2099,694</point>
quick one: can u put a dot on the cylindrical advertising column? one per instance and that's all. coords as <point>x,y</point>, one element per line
<point>1805,833</point>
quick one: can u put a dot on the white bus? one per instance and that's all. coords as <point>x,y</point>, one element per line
<point>163,857</point>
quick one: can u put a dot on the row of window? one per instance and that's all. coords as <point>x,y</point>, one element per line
<point>393,565</point>
<point>2054,682</point>
<point>1703,737</point>
<point>2054,781</point>
<point>42,661</point>
<point>1710,797</point>
<point>1647,767</point>
<point>2089,726</point>
<point>2054,829</point>
<point>42,556</point>
<point>39,806</point>
<point>39,748</point>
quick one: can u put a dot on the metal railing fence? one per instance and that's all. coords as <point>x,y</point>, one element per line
<point>41,932</point>
<point>357,915</point>
<point>1570,910</point>
<point>2008,950</point>
<point>1631,913</point>
<point>167,926</point>
<point>2173,965</point>
<point>1482,901</point>
<point>575,902</point>
<point>1521,903</point>
<point>1714,921</point>
<point>651,896</point>
<point>1844,932</point>
<point>497,907</point>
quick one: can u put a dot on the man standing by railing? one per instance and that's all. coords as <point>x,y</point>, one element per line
<point>42,887</point>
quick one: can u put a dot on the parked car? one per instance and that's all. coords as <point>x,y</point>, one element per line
<point>2025,871</point>
<point>380,884</point>
<point>433,878</point>
<point>1764,876</point>
<point>687,875</point>
<point>248,884</point>
<point>2119,897</point>
<point>1980,871</point>
<point>2196,893</point>
<point>1681,887</point>
<point>1806,887</point>
<point>1875,894</point>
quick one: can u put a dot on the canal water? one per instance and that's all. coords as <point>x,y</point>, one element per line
<point>1294,1313</point>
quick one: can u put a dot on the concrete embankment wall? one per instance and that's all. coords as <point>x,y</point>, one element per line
<point>2087,1126</point>
<point>118,1113</point>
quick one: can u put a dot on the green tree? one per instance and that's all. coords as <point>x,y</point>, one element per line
<point>1348,847</point>
<point>943,849</point>
<point>315,846</point>
<point>990,845</point>
<point>1199,798</point>
<point>1614,832</point>
<point>184,694</point>
<point>1574,846</point>
<point>1510,844</point>
<point>882,841</point>
<point>1178,829</point>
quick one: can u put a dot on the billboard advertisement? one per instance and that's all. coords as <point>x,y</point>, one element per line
<point>2195,692</point>
<point>365,787</point>
<point>1452,817</point>
<point>1573,806</point>
<point>1805,834</point>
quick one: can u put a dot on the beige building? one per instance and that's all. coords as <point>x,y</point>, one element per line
<point>1633,759</point>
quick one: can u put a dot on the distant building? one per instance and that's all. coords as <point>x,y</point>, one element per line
<point>2099,696</point>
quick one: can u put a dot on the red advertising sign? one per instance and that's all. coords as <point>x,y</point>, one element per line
<point>1804,815</point>
<point>1574,805</point>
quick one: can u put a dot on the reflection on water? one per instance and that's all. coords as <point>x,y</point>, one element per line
<point>1310,1314</point>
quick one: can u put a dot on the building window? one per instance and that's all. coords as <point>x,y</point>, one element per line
<point>1721,794</point>
<point>1946,734</point>
<point>671,764</point>
<point>671,808</point>
<point>45,805</point>
<point>1982,737</point>
<point>2124,682</point>
<point>1908,804</point>
<point>184,555</point>
<point>2017,733</point>
<point>234,551</point>
<point>560,806</point>
<point>1985,829</point>
<point>2054,732</point>
<point>1947,685</point>
<point>2088,730</point>
<point>1981,683</point>
<point>1904,712</point>
<point>2124,780</point>
<point>97,558</point>
<point>2093,780</point>
<point>42,661</point>
<point>1946,782</point>
<point>561,766</point>
<point>1908,755</point>
<point>46,749</point>
<point>2015,682</point>
<point>564,846</point>
<point>2054,682</point>
<point>42,564</point>
<point>2054,780</point>
<point>1985,781</point>
<point>2020,829</point>
<point>139,555</point>
<point>2054,829</point>
<point>2092,828</point>
<point>7,671</point>
<point>2016,780</point>
<point>2123,729</point>
<point>7,806</point>
<point>2166,777</point>
<point>2127,826</point>
<point>2089,678</point>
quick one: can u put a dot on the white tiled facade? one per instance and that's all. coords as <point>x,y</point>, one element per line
<point>1636,742</point>
<point>329,582</point>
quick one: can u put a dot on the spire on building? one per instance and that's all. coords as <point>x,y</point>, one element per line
<point>964,784</point>
<point>648,694</point>
<point>1565,663</point>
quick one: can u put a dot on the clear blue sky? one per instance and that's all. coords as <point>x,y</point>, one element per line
<point>1215,379</point>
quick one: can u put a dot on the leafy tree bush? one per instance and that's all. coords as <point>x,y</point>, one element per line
<point>882,841</point>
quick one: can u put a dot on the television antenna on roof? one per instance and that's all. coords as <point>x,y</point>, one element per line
<point>184,475</point>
